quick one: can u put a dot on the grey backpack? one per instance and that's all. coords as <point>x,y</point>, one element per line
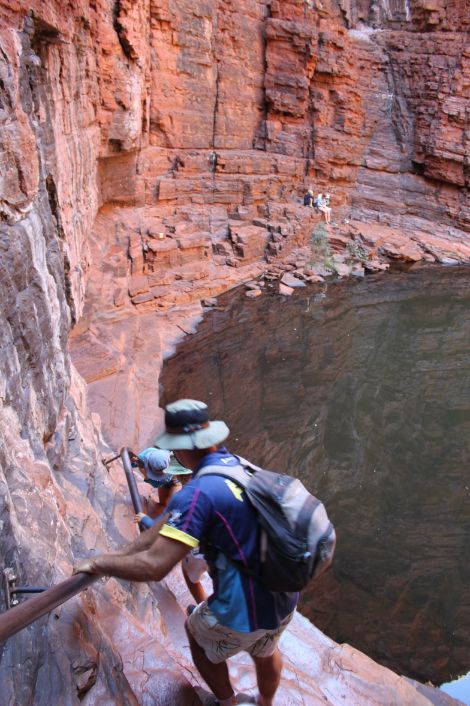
<point>297,540</point>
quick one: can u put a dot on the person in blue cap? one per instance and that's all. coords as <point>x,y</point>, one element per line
<point>161,471</point>
<point>213,513</point>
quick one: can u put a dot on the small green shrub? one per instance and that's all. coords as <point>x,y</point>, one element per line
<point>358,252</point>
<point>320,247</point>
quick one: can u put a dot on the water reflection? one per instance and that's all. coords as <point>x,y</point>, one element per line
<point>364,395</point>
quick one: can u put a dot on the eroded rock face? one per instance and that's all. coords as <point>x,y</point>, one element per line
<point>203,121</point>
<point>54,486</point>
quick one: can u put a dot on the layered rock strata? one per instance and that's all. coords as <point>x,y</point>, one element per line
<point>245,107</point>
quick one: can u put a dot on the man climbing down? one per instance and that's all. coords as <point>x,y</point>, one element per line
<point>212,512</point>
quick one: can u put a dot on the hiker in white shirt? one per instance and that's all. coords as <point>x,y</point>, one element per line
<point>322,202</point>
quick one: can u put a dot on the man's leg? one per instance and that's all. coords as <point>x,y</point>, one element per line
<point>215,675</point>
<point>268,675</point>
<point>196,589</point>
<point>194,568</point>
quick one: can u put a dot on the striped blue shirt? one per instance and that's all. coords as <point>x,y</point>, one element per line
<point>213,512</point>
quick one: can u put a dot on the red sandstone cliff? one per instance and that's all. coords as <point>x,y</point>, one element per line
<point>203,121</point>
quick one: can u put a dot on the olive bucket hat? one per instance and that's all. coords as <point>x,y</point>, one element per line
<point>187,427</point>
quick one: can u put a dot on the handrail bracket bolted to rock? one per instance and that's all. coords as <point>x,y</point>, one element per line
<point>22,615</point>
<point>17,617</point>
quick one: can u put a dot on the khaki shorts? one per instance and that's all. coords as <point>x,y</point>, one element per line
<point>220,642</point>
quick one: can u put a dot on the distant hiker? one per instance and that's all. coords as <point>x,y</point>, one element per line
<point>323,205</point>
<point>214,513</point>
<point>161,471</point>
<point>308,199</point>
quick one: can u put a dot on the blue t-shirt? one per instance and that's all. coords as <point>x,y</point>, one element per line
<point>215,513</point>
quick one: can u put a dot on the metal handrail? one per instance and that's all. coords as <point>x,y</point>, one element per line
<point>135,497</point>
<point>22,615</point>
<point>134,493</point>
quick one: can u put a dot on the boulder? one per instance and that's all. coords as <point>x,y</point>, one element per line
<point>249,241</point>
<point>253,293</point>
<point>290,280</point>
<point>285,290</point>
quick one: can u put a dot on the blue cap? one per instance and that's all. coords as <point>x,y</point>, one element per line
<point>155,461</point>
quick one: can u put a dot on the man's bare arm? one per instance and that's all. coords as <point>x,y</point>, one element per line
<point>152,564</point>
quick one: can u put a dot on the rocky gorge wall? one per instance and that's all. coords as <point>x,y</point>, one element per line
<point>152,154</point>
<point>242,107</point>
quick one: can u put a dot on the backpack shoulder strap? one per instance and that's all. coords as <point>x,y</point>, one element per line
<point>241,475</point>
<point>251,467</point>
<point>235,473</point>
